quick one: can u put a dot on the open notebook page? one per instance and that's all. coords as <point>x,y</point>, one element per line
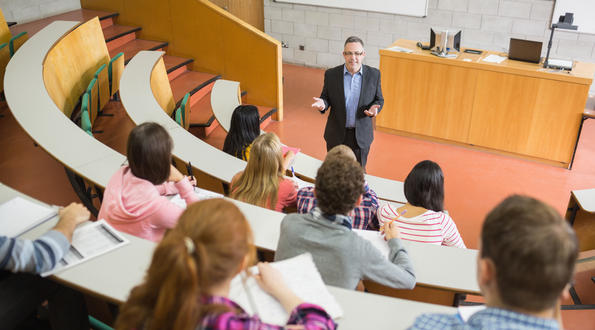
<point>301,276</point>
<point>18,215</point>
<point>376,238</point>
<point>89,241</point>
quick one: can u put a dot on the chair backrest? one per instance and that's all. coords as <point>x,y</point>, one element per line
<point>70,64</point>
<point>4,59</point>
<point>162,89</point>
<point>86,124</point>
<point>102,86</point>
<point>115,70</point>
<point>5,34</point>
<point>17,41</point>
<point>93,93</point>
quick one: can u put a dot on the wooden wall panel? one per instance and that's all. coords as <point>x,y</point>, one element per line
<point>421,104</point>
<point>70,65</point>
<point>218,42</point>
<point>161,87</point>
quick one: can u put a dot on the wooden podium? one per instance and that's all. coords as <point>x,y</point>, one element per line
<point>510,107</point>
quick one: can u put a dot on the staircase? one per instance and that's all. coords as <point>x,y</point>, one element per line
<point>122,38</point>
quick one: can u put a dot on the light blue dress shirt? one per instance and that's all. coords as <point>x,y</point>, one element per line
<point>352,85</point>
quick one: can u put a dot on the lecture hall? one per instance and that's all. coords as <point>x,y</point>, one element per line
<point>264,164</point>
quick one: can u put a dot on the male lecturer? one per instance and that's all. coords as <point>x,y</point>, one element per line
<point>353,93</point>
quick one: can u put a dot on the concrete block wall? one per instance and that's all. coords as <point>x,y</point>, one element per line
<point>23,11</point>
<point>485,24</point>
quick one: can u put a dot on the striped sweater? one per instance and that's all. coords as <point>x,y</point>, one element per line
<point>39,256</point>
<point>431,227</point>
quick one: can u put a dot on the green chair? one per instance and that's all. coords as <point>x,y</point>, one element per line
<point>182,113</point>
<point>93,92</point>
<point>114,71</point>
<point>4,59</point>
<point>98,325</point>
<point>102,88</point>
<point>16,42</point>
<point>85,120</point>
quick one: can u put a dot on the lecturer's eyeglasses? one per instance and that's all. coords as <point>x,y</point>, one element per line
<point>353,53</point>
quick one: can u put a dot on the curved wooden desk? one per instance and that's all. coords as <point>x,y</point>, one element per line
<point>450,269</point>
<point>224,101</point>
<point>45,123</point>
<point>111,277</point>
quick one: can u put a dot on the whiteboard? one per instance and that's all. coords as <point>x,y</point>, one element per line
<point>402,7</point>
<point>584,11</point>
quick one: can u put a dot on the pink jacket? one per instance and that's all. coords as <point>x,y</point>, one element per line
<point>138,207</point>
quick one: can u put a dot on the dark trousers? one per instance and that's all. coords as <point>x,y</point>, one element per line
<point>21,294</point>
<point>361,154</point>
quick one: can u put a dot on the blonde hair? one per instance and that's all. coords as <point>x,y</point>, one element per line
<point>259,183</point>
<point>208,246</point>
<point>340,150</point>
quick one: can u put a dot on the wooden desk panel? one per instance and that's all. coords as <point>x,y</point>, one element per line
<point>421,104</point>
<point>510,107</point>
<point>527,115</point>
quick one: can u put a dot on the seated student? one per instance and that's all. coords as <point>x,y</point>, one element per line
<point>188,282</point>
<point>23,293</point>
<point>263,182</point>
<point>134,201</point>
<point>363,215</point>
<point>343,257</point>
<point>243,129</point>
<point>526,261</point>
<point>423,218</point>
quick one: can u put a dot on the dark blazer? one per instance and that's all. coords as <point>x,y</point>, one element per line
<point>333,95</point>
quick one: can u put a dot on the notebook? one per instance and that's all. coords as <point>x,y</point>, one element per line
<point>525,50</point>
<point>19,215</point>
<point>89,241</point>
<point>301,276</point>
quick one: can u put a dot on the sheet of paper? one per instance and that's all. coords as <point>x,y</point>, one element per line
<point>374,237</point>
<point>400,49</point>
<point>18,215</point>
<point>285,149</point>
<point>493,58</point>
<point>301,183</point>
<point>202,194</point>
<point>89,241</point>
<point>301,276</point>
<point>465,312</point>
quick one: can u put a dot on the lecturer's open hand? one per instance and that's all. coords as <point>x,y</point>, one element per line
<point>318,104</point>
<point>373,111</point>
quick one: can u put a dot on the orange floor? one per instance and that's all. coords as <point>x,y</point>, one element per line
<point>475,180</point>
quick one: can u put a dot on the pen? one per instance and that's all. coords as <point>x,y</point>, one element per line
<point>189,168</point>
<point>398,216</point>
<point>292,172</point>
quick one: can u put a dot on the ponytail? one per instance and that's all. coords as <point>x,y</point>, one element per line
<point>205,248</point>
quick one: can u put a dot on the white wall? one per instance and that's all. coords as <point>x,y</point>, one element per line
<point>486,24</point>
<point>23,11</point>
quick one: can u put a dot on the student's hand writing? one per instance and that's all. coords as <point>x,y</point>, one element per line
<point>390,230</point>
<point>270,279</point>
<point>174,174</point>
<point>287,160</point>
<point>318,104</point>
<point>192,180</point>
<point>71,216</point>
<point>373,111</point>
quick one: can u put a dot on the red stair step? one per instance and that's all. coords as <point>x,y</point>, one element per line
<point>175,65</point>
<point>134,46</point>
<point>202,119</point>
<point>118,35</point>
<point>192,82</point>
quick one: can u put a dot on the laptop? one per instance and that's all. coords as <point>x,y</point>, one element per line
<point>524,50</point>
